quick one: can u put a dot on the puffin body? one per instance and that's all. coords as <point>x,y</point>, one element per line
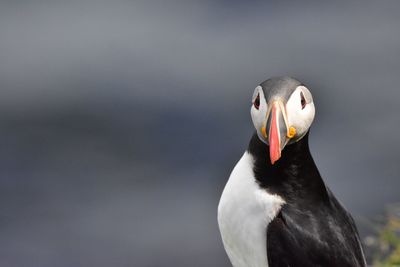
<point>275,209</point>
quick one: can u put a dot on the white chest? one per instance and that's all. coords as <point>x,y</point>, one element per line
<point>244,212</point>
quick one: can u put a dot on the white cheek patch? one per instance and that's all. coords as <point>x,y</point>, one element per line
<point>258,115</point>
<point>299,118</point>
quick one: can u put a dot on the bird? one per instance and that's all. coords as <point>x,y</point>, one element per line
<point>275,209</point>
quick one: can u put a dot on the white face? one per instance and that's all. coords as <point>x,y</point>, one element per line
<point>258,111</point>
<point>299,111</point>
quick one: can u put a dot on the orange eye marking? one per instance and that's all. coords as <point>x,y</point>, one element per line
<point>257,102</point>
<point>303,101</point>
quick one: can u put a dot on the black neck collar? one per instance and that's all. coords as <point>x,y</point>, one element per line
<point>293,176</point>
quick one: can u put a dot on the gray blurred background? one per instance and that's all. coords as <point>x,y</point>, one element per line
<point>121,121</point>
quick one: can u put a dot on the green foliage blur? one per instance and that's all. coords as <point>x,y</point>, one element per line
<point>388,254</point>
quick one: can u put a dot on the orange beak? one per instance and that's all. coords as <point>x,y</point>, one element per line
<point>279,132</point>
<point>274,135</point>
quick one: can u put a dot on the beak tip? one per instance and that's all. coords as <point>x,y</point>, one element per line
<point>273,160</point>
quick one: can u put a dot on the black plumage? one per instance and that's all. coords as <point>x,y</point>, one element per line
<point>312,228</point>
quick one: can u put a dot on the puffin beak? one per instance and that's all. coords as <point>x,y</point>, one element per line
<point>277,128</point>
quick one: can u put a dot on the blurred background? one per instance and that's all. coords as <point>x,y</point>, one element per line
<point>120,121</point>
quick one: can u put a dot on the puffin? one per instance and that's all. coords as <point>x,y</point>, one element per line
<point>275,209</point>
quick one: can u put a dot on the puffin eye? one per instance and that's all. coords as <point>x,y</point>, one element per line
<point>303,101</point>
<point>257,102</point>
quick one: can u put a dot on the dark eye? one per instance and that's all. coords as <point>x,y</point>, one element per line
<point>257,102</point>
<point>303,101</point>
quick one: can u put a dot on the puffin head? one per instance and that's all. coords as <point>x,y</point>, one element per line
<point>282,112</point>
